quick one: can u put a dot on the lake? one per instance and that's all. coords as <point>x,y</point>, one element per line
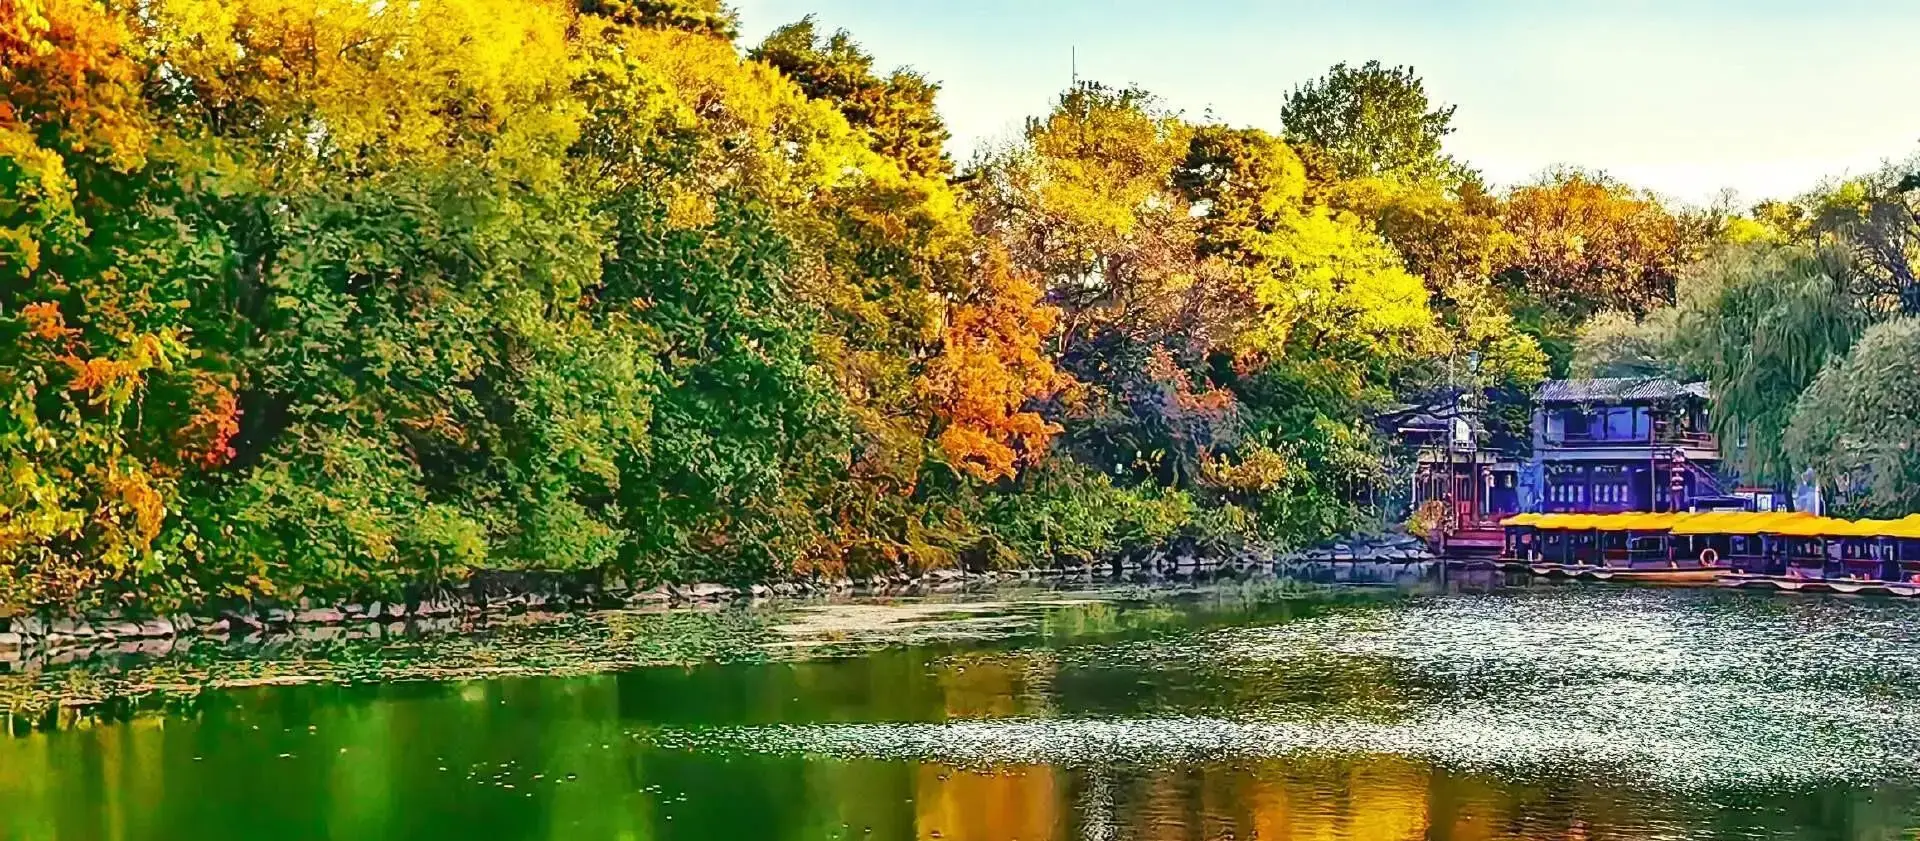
<point>1231,711</point>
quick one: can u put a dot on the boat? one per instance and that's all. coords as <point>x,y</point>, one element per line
<point>1787,551</point>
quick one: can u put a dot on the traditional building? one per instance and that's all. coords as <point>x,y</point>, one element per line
<point>1623,444</point>
<point>1597,446</point>
<point>1457,466</point>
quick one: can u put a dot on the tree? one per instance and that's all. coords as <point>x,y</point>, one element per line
<point>1588,243</point>
<point>1452,237</point>
<point>1854,426</point>
<point>1876,219</point>
<point>1615,344</point>
<point>1084,204</point>
<point>896,112</point>
<point>992,365</point>
<point>1760,322</point>
<point>1371,121</point>
<point>707,17</point>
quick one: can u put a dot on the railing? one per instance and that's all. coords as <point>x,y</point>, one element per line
<point>1582,440</point>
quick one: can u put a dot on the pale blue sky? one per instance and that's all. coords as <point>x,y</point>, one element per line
<point>1685,97</point>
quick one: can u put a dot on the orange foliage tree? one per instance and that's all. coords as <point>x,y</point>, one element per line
<point>1588,243</point>
<point>992,365</point>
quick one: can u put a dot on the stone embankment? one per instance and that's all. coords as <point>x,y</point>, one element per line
<point>39,639</point>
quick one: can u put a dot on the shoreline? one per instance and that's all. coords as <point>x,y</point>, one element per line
<point>36,641</point>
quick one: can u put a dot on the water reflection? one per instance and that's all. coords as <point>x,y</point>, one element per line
<point>1051,737</point>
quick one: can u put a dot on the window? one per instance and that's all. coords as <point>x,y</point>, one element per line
<point>1619,424</point>
<point>1575,423</point>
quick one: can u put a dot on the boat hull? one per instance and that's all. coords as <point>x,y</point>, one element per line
<point>1558,570</point>
<point>1675,576</point>
<point>1856,586</point>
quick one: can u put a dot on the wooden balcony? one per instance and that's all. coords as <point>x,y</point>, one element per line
<point>1586,441</point>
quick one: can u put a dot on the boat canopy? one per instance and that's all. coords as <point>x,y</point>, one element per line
<point>1738,522</point>
<point>1784,523</point>
<point>1820,527</point>
<point>1633,521</point>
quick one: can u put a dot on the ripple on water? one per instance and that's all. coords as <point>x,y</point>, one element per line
<point>1677,689</point>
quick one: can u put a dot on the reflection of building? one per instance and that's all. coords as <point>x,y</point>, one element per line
<point>1638,444</point>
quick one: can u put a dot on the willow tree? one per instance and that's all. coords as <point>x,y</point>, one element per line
<point>1761,321</point>
<point>1855,426</point>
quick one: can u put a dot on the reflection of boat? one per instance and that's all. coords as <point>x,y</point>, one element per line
<point>1785,551</point>
<point>1690,576</point>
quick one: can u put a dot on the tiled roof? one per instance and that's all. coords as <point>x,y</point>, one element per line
<point>1617,390</point>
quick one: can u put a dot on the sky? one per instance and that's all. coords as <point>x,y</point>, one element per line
<point>1684,97</point>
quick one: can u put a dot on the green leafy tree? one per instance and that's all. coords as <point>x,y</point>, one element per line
<point>1615,344</point>
<point>1371,121</point>
<point>1854,426</point>
<point>897,112</point>
<point>1875,220</point>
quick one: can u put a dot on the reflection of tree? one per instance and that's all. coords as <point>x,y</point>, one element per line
<point>1014,803</point>
<point>369,769</point>
<point>985,687</point>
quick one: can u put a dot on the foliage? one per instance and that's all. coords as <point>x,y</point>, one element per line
<point>1063,513</point>
<point>1615,344</point>
<point>1229,333</point>
<point>896,112</point>
<point>1854,426</point>
<point>1428,520</point>
<point>1589,243</point>
<point>1875,220</point>
<point>322,297</point>
<point>1371,121</point>
<point>991,366</point>
<point>708,17</point>
<point>1761,321</point>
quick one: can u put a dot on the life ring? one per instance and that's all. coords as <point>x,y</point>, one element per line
<point>1708,557</point>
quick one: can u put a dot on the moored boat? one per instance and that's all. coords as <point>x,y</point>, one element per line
<point>1788,551</point>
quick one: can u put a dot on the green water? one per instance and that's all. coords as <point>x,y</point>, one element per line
<point>1229,713</point>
